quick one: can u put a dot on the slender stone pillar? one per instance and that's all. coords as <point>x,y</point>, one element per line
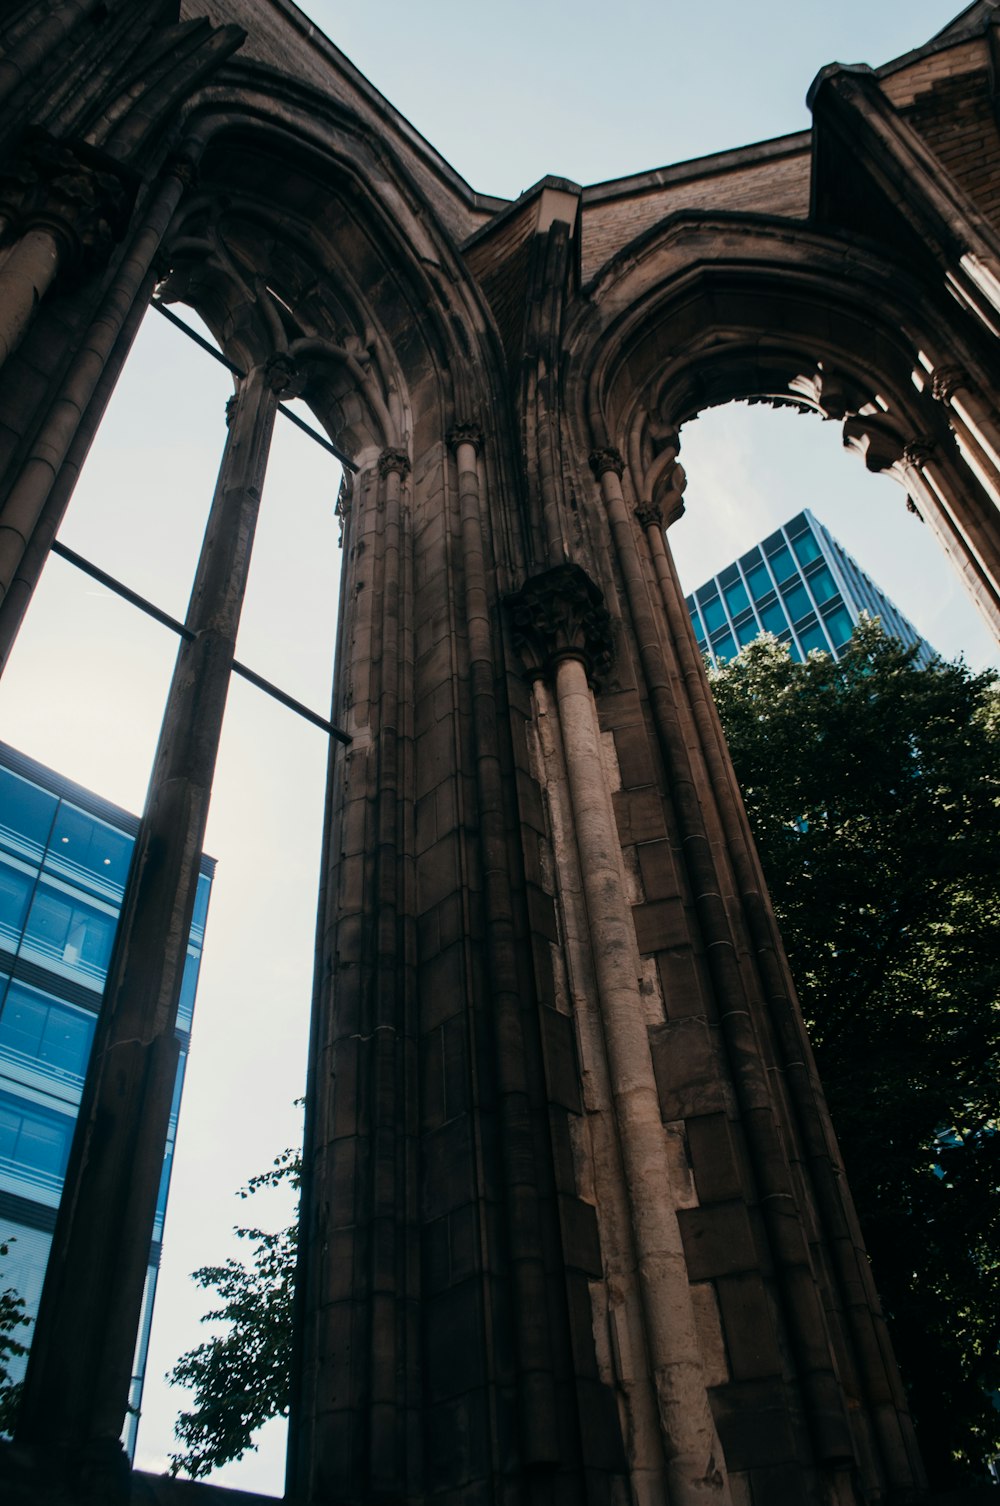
<point>961,513</point>
<point>744,1024</point>
<point>76,1390</point>
<point>532,1340</point>
<point>868,1365</point>
<point>390,1342</point>
<point>64,204</point>
<point>28,498</point>
<point>559,619</point>
<point>977,420</point>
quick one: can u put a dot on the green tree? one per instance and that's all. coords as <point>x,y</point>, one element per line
<point>873,789</point>
<point>12,1320</point>
<point>240,1376</point>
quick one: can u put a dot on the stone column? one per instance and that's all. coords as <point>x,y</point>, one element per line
<point>562,630</point>
<point>867,1364</point>
<point>76,1389</point>
<point>29,499</point>
<point>963,516</point>
<point>539,1439</point>
<point>391,1346</point>
<point>973,417</point>
<point>64,206</point>
<point>746,1030</point>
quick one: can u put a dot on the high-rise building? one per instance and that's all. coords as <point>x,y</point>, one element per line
<point>799,584</point>
<point>64,859</point>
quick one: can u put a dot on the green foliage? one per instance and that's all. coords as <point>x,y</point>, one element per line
<point>873,788</point>
<point>240,1377</point>
<point>12,1319</point>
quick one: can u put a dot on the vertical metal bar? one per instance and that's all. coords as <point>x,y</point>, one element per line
<point>76,1389</point>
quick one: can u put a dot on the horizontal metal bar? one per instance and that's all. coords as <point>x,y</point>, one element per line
<point>135,600</point>
<point>299,423</point>
<point>120,589</point>
<point>320,439</point>
<point>193,334</point>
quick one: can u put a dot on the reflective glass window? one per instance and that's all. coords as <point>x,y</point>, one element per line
<point>747,632</point>
<point>797,601</point>
<point>782,564</point>
<point>773,617</point>
<point>725,648</point>
<point>813,637</point>
<point>797,525</point>
<point>34,1141</point>
<point>759,581</point>
<point>46,1030</point>
<point>737,599</point>
<point>201,897</point>
<point>26,812</point>
<point>15,895</point>
<point>839,626</point>
<point>189,986</point>
<point>713,613</point>
<point>806,548</point>
<point>65,929</point>
<point>86,849</point>
<point>823,584</point>
<point>696,622</point>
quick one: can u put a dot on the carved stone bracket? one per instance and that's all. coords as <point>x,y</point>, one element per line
<point>79,194</point>
<point>466,434</point>
<point>284,376</point>
<point>393,462</point>
<point>184,167</point>
<point>561,614</point>
<point>918,451</point>
<point>650,515</point>
<point>607,459</point>
<point>947,380</point>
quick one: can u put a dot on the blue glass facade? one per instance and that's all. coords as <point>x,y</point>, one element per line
<point>64,860</point>
<point>800,585</point>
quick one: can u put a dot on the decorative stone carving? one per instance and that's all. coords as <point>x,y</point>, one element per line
<point>284,377</point>
<point>559,614</point>
<point>608,459</point>
<point>79,194</point>
<point>342,507</point>
<point>393,461</point>
<point>466,434</point>
<point>183,167</point>
<point>918,451</point>
<point>650,515</point>
<point>947,380</point>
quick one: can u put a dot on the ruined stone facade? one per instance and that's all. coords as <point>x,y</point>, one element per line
<point>575,1226</point>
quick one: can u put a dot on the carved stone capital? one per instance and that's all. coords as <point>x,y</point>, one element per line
<point>650,515</point>
<point>947,380</point>
<point>918,451</point>
<point>561,614</point>
<point>284,376</point>
<point>608,459</point>
<point>76,192</point>
<point>466,434</point>
<point>394,462</point>
<point>181,166</point>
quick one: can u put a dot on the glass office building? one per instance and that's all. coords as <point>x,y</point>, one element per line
<point>64,859</point>
<point>800,585</point>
